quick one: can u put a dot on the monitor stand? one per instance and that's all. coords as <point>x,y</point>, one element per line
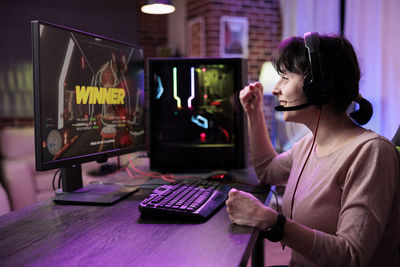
<point>93,194</point>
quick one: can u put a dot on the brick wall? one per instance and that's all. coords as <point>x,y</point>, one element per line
<point>264,26</point>
<point>152,32</point>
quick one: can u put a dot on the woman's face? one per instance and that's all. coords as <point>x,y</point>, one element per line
<point>289,91</point>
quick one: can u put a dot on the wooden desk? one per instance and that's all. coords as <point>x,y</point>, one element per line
<point>61,235</point>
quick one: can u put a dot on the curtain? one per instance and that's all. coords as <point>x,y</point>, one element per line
<point>300,16</point>
<point>372,27</point>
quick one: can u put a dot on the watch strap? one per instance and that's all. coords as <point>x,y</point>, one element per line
<point>275,232</point>
<point>280,221</point>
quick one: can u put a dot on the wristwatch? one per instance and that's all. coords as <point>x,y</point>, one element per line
<point>275,232</point>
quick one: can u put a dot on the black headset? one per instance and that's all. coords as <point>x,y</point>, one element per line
<point>318,87</point>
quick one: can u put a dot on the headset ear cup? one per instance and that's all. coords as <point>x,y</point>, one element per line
<point>319,93</point>
<point>308,88</point>
<point>328,86</point>
<point>311,92</point>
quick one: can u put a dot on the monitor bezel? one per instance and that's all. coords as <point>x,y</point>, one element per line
<point>100,157</point>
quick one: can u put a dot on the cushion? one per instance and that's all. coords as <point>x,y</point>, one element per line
<point>17,142</point>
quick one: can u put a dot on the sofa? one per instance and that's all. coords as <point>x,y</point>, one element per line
<point>24,185</point>
<point>21,185</point>
<point>4,201</point>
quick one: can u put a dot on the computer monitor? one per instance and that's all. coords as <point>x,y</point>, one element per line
<point>196,121</point>
<point>89,106</point>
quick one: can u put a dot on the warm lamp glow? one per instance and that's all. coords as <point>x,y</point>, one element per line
<point>158,7</point>
<point>268,77</point>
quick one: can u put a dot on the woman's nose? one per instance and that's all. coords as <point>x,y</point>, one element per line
<point>276,91</point>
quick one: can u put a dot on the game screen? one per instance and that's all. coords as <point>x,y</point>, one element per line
<point>193,105</point>
<point>91,94</point>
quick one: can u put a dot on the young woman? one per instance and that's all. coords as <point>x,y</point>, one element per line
<point>341,204</point>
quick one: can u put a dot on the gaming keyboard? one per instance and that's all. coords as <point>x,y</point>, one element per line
<point>188,200</point>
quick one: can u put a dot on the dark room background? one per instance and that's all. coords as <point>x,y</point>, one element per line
<point>122,20</point>
<point>114,19</point>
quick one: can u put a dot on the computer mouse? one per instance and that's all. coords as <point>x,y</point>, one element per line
<point>104,169</point>
<point>220,176</point>
<point>108,168</point>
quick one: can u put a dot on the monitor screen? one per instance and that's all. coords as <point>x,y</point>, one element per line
<point>196,120</point>
<point>89,97</point>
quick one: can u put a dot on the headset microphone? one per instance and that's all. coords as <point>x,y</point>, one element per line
<point>291,108</point>
<point>298,107</point>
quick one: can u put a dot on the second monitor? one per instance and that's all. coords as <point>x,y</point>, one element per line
<point>196,120</point>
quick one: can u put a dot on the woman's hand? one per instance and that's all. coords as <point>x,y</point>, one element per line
<point>245,209</point>
<point>251,98</point>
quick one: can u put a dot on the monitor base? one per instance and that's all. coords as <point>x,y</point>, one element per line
<point>94,194</point>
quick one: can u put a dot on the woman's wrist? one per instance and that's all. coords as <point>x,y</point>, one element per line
<point>275,232</point>
<point>255,116</point>
<point>270,216</point>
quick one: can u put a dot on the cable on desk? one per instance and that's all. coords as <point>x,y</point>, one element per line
<point>165,177</point>
<point>126,169</point>
<point>278,207</point>
<point>54,178</point>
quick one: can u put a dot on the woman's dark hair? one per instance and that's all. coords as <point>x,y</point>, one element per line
<point>339,59</point>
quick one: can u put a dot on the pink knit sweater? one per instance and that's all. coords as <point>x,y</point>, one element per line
<point>350,198</point>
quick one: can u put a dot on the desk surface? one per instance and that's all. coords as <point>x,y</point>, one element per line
<point>46,234</point>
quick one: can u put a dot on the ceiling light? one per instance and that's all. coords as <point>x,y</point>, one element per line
<point>158,7</point>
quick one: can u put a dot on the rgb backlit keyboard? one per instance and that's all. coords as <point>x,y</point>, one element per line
<point>189,200</point>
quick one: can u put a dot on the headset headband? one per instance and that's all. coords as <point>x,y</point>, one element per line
<point>311,41</point>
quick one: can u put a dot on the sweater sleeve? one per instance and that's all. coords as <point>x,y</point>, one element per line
<point>274,170</point>
<point>368,193</point>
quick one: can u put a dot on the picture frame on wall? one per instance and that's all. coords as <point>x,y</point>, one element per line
<point>234,36</point>
<point>196,40</point>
